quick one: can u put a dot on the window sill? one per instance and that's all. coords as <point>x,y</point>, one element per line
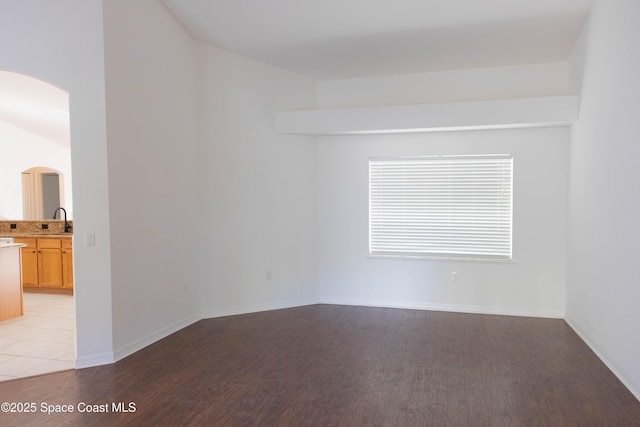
<point>440,258</point>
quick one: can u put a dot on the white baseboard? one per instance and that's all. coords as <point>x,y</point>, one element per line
<point>456,308</point>
<point>96,359</point>
<point>605,359</point>
<point>255,308</point>
<point>149,339</point>
<point>128,349</point>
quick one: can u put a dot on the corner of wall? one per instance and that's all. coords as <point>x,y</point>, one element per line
<point>602,355</point>
<point>142,342</point>
<point>578,58</point>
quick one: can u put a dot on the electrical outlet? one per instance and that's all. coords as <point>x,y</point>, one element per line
<point>454,276</point>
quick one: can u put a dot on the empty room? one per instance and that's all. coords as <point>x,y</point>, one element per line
<point>342,212</point>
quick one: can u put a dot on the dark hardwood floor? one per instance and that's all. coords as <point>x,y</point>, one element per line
<point>329,365</point>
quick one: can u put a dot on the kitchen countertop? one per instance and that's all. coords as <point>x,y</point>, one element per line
<point>12,245</point>
<point>39,236</point>
<point>35,228</point>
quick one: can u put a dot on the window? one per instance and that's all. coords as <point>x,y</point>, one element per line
<point>441,207</point>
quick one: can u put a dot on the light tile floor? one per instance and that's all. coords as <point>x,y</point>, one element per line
<point>41,341</point>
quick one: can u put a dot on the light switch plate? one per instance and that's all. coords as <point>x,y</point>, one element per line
<point>89,238</point>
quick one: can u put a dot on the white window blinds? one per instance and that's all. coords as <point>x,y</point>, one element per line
<point>444,206</point>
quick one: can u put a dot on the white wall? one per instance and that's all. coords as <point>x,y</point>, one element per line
<point>257,236</point>
<point>152,108</point>
<point>22,150</point>
<point>61,42</point>
<point>604,237</point>
<point>533,285</point>
<point>447,86</point>
<point>167,259</point>
<point>211,211</point>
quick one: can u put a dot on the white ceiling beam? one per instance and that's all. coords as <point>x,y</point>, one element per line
<point>496,114</point>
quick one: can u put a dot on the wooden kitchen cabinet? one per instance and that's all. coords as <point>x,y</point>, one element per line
<point>29,262</point>
<point>67,264</point>
<point>47,262</point>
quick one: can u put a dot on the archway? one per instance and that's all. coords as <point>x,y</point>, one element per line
<point>36,177</point>
<point>42,192</point>
<point>34,132</point>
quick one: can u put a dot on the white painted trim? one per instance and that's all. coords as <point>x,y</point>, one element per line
<point>92,360</point>
<point>124,351</point>
<point>455,308</point>
<point>137,345</point>
<point>254,308</point>
<point>149,339</point>
<point>454,116</point>
<point>605,359</point>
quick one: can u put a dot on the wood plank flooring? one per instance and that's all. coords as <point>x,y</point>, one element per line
<point>326,365</point>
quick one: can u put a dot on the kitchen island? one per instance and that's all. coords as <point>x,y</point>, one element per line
<point>10,280</point>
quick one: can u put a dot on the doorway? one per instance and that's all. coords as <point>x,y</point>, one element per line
<point>36,176</point>
<point>42,192</point>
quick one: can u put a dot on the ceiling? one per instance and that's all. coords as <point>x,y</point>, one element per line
<point>336,39</point>
<point>35,107</point>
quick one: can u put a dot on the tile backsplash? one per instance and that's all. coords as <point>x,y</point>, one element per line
<point>45,226</point>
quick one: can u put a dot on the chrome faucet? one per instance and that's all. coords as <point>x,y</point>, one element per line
<point>67,226</point>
